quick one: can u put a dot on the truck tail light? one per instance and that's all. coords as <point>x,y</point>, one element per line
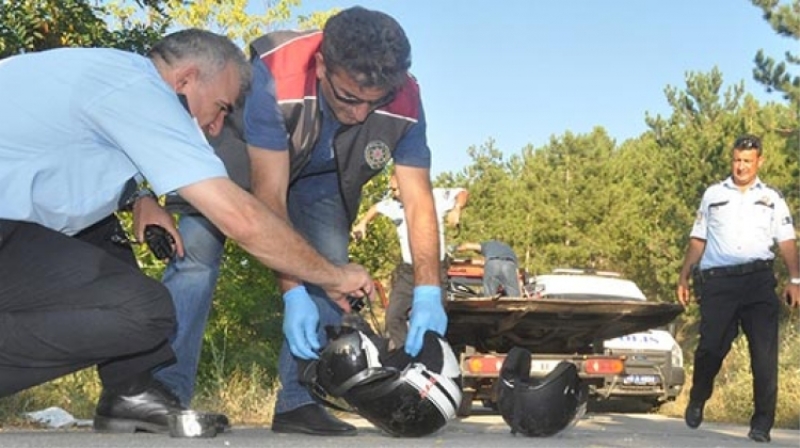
<point>484,364</point>
<point>604,366</point>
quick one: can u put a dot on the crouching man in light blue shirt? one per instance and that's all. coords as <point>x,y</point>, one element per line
<point>76,125</point>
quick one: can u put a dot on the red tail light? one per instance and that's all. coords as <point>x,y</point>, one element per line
<point>604,366</point>
<point>484,364</point>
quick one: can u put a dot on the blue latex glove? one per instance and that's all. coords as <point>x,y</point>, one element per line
<point>300,321</point>
<point>427,313</point>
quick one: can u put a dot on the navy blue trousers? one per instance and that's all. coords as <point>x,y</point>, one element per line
<point>748,302</point>
<point>67,303</point>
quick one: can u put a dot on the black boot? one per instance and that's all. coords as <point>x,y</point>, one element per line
<point>694,413</point>
<point>759,435</point>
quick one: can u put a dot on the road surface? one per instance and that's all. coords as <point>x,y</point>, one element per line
<point>477,431</point>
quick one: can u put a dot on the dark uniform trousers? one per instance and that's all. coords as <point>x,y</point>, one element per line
<point>728,302</point>
<point>67,303</point>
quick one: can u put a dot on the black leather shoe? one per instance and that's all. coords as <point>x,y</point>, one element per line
<point>311,419</point>
<point>759,435</point>
<point>146,411</point>
<point>694,414</point>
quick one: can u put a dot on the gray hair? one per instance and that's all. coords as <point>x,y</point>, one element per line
<point>211,52</point>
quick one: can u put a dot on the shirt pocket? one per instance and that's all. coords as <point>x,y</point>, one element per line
<point>720,214</point>
<point>761,219</point>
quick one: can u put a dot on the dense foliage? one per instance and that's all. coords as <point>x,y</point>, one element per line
<point>36,25</point>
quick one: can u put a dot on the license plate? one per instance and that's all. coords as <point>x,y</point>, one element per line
<point>539,366</point>
<point>640,380</point>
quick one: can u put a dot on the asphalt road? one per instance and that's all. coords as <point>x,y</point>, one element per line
<point>477,431</point>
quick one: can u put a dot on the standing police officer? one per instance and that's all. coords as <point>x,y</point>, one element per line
<point>738,222</point>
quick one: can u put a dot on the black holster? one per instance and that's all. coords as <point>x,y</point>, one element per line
<point>697,281</point>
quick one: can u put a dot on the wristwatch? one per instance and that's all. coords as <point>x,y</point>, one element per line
<point>141,192</point>
<point>795,280</point>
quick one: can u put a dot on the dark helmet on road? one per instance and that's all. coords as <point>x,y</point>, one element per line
<point>539,408</point>
<point>404,396</point>
<point>349,359</point>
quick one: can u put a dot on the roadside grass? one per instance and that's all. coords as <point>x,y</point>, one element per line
<point>76,393</point>
<point>247,396</point>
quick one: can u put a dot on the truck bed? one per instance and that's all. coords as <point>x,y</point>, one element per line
<point>549,325</point>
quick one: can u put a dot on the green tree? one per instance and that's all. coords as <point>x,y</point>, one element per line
<point>784,18</point>
<point>485,180</point>
<point>35,25</point>
<point>697,134</point>
<point>232,19</point>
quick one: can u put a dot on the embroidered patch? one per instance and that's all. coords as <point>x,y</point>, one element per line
<point>377,154</point>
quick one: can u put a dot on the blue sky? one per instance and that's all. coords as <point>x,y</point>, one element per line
<point>521,71</point>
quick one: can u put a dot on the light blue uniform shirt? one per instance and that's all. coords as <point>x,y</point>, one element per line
<point>740,227</point>
<point>76,124</point>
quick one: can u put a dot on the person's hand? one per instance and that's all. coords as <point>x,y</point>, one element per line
<point>359,231</point>
<point>684,292</point>
<point>792,295</point>
<point>353,280</point>
<point>427,313</point>
<point>454,217</point>
<point>300,321</point>
<point>147,211</point>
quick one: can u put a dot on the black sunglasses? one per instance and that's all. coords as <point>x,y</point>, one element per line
<point>747,143</point>
<point>352,101</point>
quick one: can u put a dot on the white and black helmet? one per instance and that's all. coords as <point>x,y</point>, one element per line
<point>404,396</point>
<point>539,408</point>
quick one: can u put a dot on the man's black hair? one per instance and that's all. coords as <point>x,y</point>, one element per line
<point>368,45</point>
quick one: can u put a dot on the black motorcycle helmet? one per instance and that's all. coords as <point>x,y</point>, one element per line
<point>539,408</point>
<point>404,396</point>
<point>349,359</point>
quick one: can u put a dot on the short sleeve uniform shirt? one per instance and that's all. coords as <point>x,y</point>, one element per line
<point>740,227</point>
<point>76,124</point>
<point>444,200</point>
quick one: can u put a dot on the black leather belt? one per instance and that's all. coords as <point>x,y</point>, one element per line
<point>738,269</point>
